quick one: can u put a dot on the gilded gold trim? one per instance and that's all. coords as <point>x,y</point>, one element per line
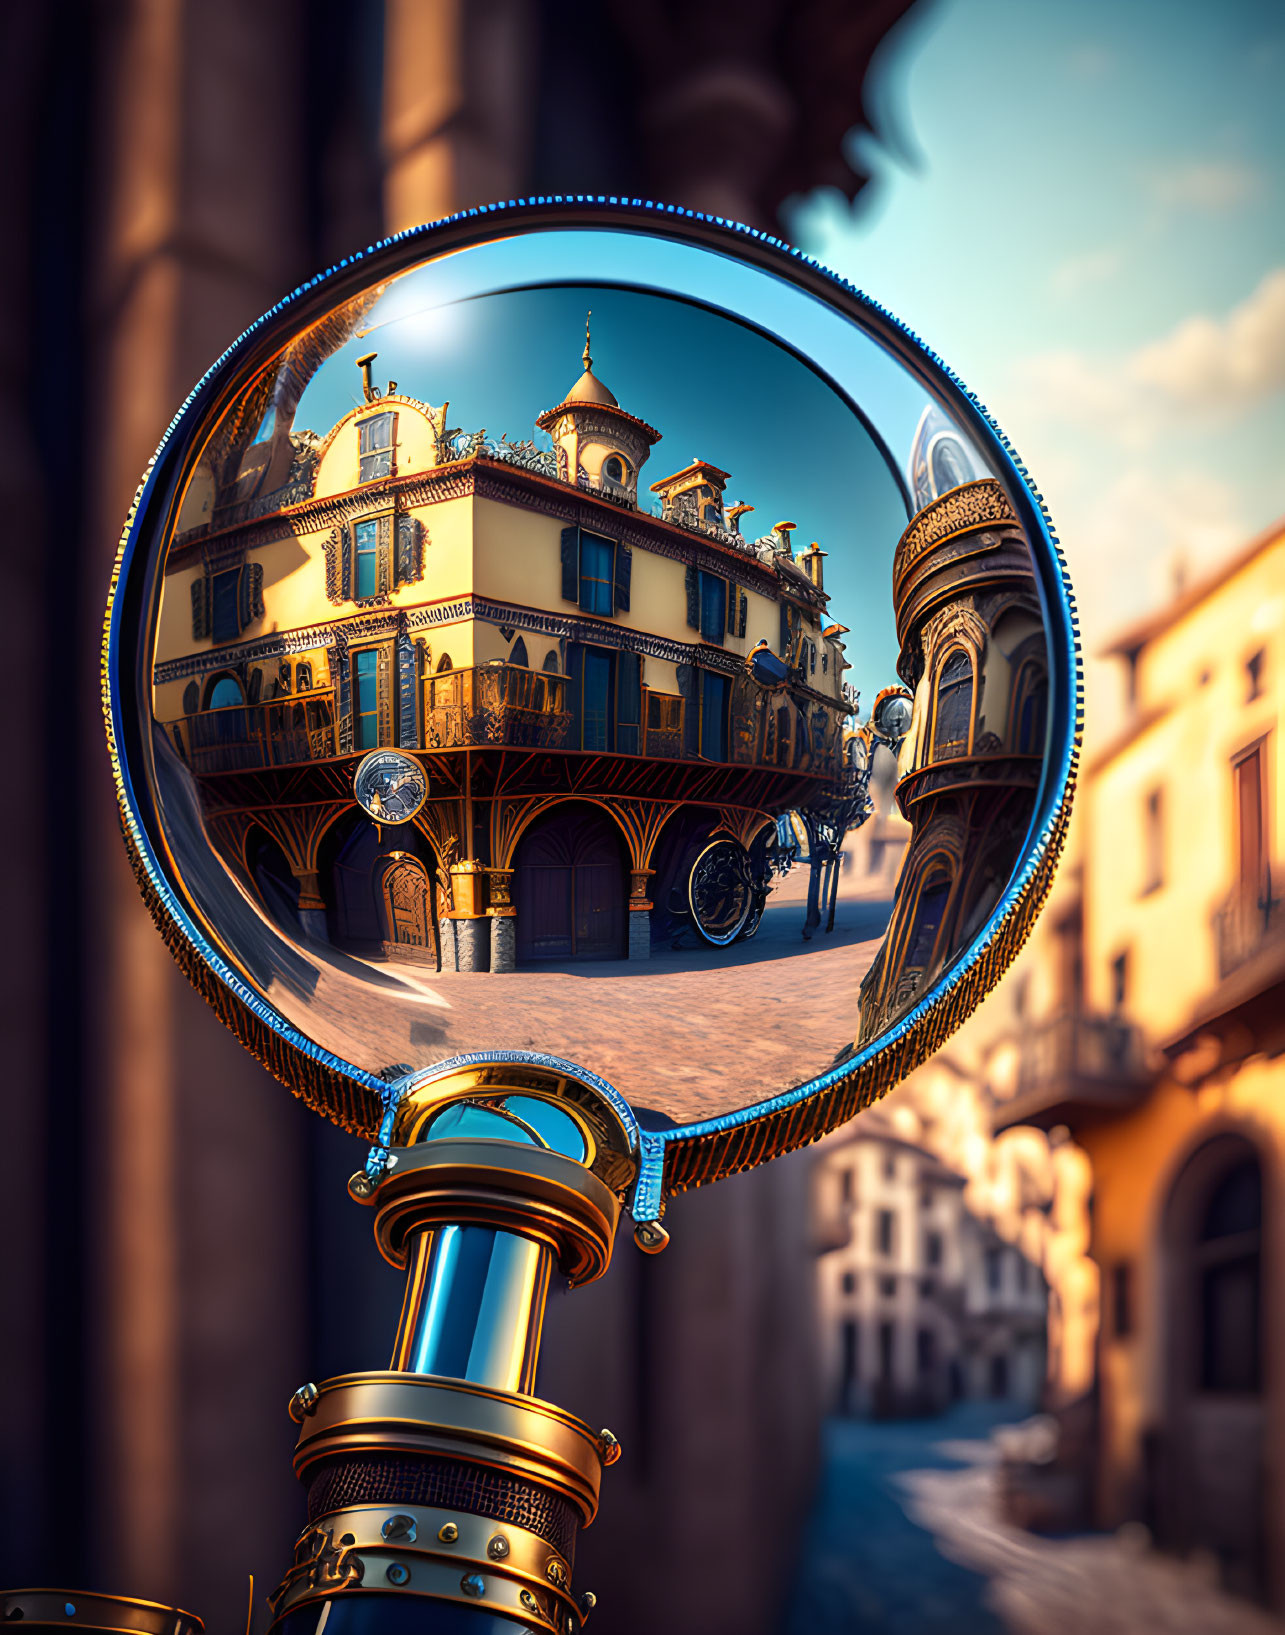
<point>416,1413</point>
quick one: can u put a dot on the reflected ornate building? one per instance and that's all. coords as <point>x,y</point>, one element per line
<point>973,653</point>
<point>570,668</point>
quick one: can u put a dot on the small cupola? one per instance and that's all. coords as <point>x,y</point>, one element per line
<point>599,445</point>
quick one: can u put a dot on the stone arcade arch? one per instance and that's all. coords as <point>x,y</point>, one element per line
<point>1208,1479</point>
<point>571,886</point>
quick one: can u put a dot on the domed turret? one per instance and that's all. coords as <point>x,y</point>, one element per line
<point>599,445</point>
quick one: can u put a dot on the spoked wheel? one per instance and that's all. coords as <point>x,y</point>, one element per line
<point>721,892</point>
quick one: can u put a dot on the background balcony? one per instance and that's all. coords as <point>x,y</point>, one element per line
<point>1073,1067</point>
<point>1244,926</point>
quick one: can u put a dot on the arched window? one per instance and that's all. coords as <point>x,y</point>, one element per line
<point>225,695</point>
<point>303,678</point>
<point>953,706</point>
<point>615,469</point>
<point>1229,1274</point>
<point>225,692</point>
<point>1030,708</point>
<point>930,911</point>
<point>517,654</point>
<point>444,663</point>
<point>551,662</point>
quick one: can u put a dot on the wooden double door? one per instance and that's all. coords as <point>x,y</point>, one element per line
<point>570,888</point>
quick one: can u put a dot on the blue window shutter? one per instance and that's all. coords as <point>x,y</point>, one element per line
<point>410,553</point>
<point>628,701</point>
<point>338,657</point>
<point>624,574</point>
<point>688,686</point>
<point>744,602</point>
<point>407,693</point>
<point>575,669</point>
<point>571,564</point>
<point>693,599</point>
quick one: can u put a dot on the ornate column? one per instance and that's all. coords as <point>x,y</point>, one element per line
<point>639,914</point>
<point>469,922</point>
<point>504,921</point>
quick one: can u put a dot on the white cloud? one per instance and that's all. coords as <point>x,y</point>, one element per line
<point>1213,186</point>
<point>1204,370</point>
<point>1228,363</point>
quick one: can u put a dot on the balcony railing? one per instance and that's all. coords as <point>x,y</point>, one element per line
<point>1068,1054</point>
<point>509,706</point>
<point>1244,925</point>
<point>247,737</point>
<point>496,704</point>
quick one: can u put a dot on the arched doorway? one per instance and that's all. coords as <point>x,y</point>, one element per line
<point>1212,1479</point>
<point>570,887</point>
<point>408,908</point>
<point>378,884</point>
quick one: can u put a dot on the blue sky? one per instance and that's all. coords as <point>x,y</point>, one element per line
<point>713,388</point>
<point>1080,208</point>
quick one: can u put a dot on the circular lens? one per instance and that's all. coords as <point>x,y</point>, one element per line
<point>488,653</point>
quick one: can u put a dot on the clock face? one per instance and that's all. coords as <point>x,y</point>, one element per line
<point>390,787</point>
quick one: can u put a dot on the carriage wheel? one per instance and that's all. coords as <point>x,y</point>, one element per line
<point>721,892</point>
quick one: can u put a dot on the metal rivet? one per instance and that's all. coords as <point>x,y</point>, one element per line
<point>397,1573</point>
<point>400,1527</point>
<point>448,1532</point>
<point>361,1185</point>
<point>529,1601</point>
<point>557,1573</point>
<point>498,1547</point>
<point>608,1446</point>
<point>473,1584</point>
<point>303,1402</point>
<point>588,1601</point>
<point>650,1236</point>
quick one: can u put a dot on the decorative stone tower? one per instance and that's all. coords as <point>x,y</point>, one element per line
<point>599,445</point>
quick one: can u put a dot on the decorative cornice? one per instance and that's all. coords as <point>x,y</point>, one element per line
<point>981,504</point>
<point>490,478</point>
<point>409,622</point>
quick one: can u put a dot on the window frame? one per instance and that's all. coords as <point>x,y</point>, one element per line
<point>365,420</point>
<point>948,751</point>
<point>385,710</point>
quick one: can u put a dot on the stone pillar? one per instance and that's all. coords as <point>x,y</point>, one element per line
<point>639,914</point>
<point>504,942</point>
<point>473,944</point>
<point>446,930</point>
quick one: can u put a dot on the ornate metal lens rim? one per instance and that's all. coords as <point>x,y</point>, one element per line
<point>671,1160</point>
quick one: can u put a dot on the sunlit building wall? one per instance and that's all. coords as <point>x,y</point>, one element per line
<point>1156,1040</point>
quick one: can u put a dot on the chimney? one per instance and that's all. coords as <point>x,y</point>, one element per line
<point>811,562</point>
<point>367,385</point>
